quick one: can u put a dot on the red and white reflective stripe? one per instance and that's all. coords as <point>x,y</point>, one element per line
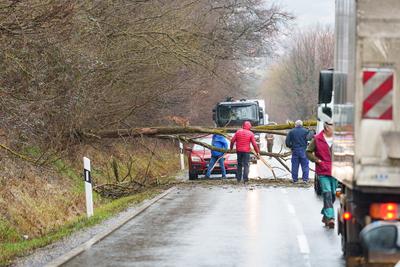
<point>378,94</point>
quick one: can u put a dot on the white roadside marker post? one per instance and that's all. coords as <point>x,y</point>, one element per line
<point>88,186</point>
<point>181,154</point>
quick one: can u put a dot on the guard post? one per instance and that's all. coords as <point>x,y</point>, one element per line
<point>181,154</point>
<point>88,186</point>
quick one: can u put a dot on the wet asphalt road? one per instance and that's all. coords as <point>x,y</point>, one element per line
<point>223,225</point>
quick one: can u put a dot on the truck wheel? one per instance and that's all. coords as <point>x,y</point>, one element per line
<point>193,175</point>
<point>350,248</point>
<point>343,240</point>
<point>317,186</point>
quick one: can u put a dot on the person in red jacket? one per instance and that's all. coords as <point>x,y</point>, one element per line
<point>243,138</point>
<point>320,151</point>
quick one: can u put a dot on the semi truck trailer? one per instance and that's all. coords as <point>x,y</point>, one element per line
<point>366,113</point>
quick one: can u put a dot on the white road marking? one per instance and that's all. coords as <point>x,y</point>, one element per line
<point>298,226</point>
<point>291,209</point>
<point>303,244</point>
<point>301,237</point>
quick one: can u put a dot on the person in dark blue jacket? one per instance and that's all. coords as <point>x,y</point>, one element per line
<point>217,156</point>
<point>296,140</point>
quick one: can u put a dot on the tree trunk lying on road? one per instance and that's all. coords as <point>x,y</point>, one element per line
<point>173,130</point>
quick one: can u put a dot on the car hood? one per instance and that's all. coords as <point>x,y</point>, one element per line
<point>205,153</point>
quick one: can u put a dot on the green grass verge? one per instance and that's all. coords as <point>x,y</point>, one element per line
<point>63,168</point>
<point>60,165</point>
<point>9,251</point>
<point>7,232</point>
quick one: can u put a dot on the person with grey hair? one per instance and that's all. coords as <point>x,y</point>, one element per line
<point>296,140</point>
<point>298,123</point>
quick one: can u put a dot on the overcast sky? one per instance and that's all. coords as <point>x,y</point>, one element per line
<point>309,12</point>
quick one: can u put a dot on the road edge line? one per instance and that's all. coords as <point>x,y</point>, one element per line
<point>98,237</point>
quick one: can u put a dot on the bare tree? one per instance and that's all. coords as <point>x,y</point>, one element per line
<point>68,65</point>
<point>292,81</point>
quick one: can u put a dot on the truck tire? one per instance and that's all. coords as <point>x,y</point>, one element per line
<point>193,175</point>
<point>346,247</point>
<point>343,239</point>
<point>350,249</point>
<point>317,186</point>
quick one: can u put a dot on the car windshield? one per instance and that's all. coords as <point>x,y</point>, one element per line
<point>227,113</point>
<point>199,147</point>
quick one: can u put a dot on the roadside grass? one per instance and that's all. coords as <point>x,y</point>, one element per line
<point>8,233</point>
<point>32,151</point>
<point>15,246</point>
<point>60,165</point>
<point>42,204</point>
<point>63,168</point>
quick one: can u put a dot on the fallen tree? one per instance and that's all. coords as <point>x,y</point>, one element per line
<point>187,134</point>
<point>179,132</point>
<point>176,130</point>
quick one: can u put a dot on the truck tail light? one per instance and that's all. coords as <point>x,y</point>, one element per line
<point>385,211</point>
<point>347,216</point>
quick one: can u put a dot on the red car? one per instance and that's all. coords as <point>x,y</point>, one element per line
<point>199,157</point>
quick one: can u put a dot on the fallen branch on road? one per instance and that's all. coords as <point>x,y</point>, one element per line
<point>278,156</point>
<point>269,166</point>
<point>230,151</point>
<point>283,164</point>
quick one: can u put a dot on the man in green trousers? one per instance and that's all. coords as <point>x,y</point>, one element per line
<point>320,151</point>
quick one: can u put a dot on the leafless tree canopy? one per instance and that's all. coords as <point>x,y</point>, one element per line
<point>293,79</point>
<point>106,64</point>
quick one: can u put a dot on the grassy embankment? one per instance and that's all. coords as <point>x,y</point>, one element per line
<point>40,205</point>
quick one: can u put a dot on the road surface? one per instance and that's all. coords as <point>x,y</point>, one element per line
<point>223,225</point>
